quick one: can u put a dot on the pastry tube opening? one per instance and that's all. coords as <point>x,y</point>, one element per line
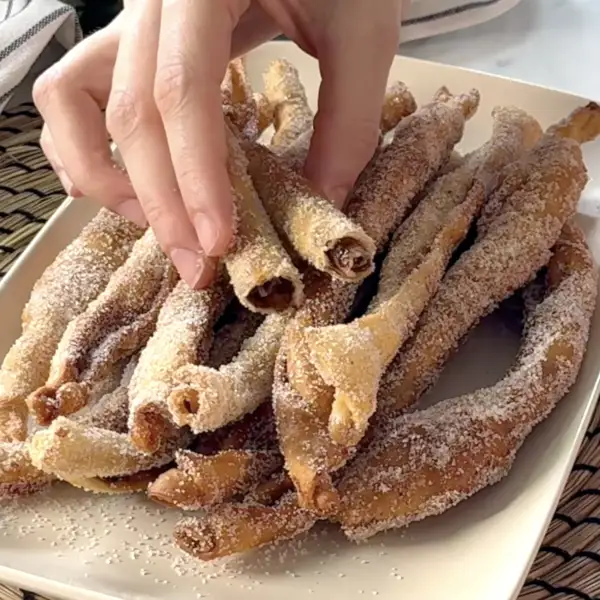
<point>262,274</point>
<point>205,398</point>
<point>183,336</point>
<point>319,232</point>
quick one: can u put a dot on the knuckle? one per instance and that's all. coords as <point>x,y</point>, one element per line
<point>155,211</point>
<point>47,85</point>
<point>172,85</point>
<point>125,114</point>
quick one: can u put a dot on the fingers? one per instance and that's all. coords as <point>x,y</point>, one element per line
<point>49,150</point>
<point>193,53</point>
<point>135,124</point>
<point>70,96</point>
<point>253,29</point>
<point>354,76</point>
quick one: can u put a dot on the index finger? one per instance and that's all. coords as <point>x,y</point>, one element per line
<point>194,49</point>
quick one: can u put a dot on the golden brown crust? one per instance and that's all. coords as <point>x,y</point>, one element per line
<point>421,145</point>
<point>398,103</point>
<point>77,275</point>
<point>262,274</point>
<point>422,463</point>
<point>232,528</point>
<point>113,327</point>
<point>182,338</point>
<point>71,451</point>
<point>515,246</point>
<point>351,357</point>
<point>292,116</point>
<point>320,233</point>
<point>199,481</point>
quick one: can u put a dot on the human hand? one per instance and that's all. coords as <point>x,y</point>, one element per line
<point>158,74</point>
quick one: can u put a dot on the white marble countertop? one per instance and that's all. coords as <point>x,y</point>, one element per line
<point>523,44</point>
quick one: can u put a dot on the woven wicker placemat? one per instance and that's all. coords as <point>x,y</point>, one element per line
<point>567,566</point>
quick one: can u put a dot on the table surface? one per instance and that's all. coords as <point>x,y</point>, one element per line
<point>523,44</point>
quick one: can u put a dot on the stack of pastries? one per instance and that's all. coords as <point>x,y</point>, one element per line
<point>287,392</point>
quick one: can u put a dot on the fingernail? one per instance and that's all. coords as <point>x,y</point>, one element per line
<point>132,210</point>
<point>337,195</point>
<point>191,266</point>
<point>208,234</point>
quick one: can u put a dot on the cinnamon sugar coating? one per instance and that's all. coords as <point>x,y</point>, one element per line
<point>292,116</point>
<point>262,274</point>
<point>422,144</point>
<point>76,276</point>
<point>320,233</point>
<point>232,528</point>
<point>183,337</point>
<point>422,463</point>
<point>113,327</point>
<point>515,246</point>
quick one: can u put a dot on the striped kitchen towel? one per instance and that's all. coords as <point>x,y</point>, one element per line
<point>33,33</point>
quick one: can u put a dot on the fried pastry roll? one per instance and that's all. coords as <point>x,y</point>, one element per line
<point>530,208</point>
<point>206,398</point>
<point>422,144</point>
<point>319,232</point>
<point>183,337</point>
<point>112,328</point>
<point>199,481</point>
<point>228,529</point>
<point>352,357</point>
<point>78,274</point>
<point>71,450</point>
<point>398,103</point>
<point>262,274</point>
<point>292,116</point>
<point>95,444</point>
<point>422,463</point>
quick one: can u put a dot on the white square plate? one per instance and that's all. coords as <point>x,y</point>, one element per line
<point>70,545</point>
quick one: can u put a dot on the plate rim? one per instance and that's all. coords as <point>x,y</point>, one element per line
<point>43,585</point>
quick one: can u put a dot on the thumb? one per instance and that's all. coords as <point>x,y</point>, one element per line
<point>355,70</point>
